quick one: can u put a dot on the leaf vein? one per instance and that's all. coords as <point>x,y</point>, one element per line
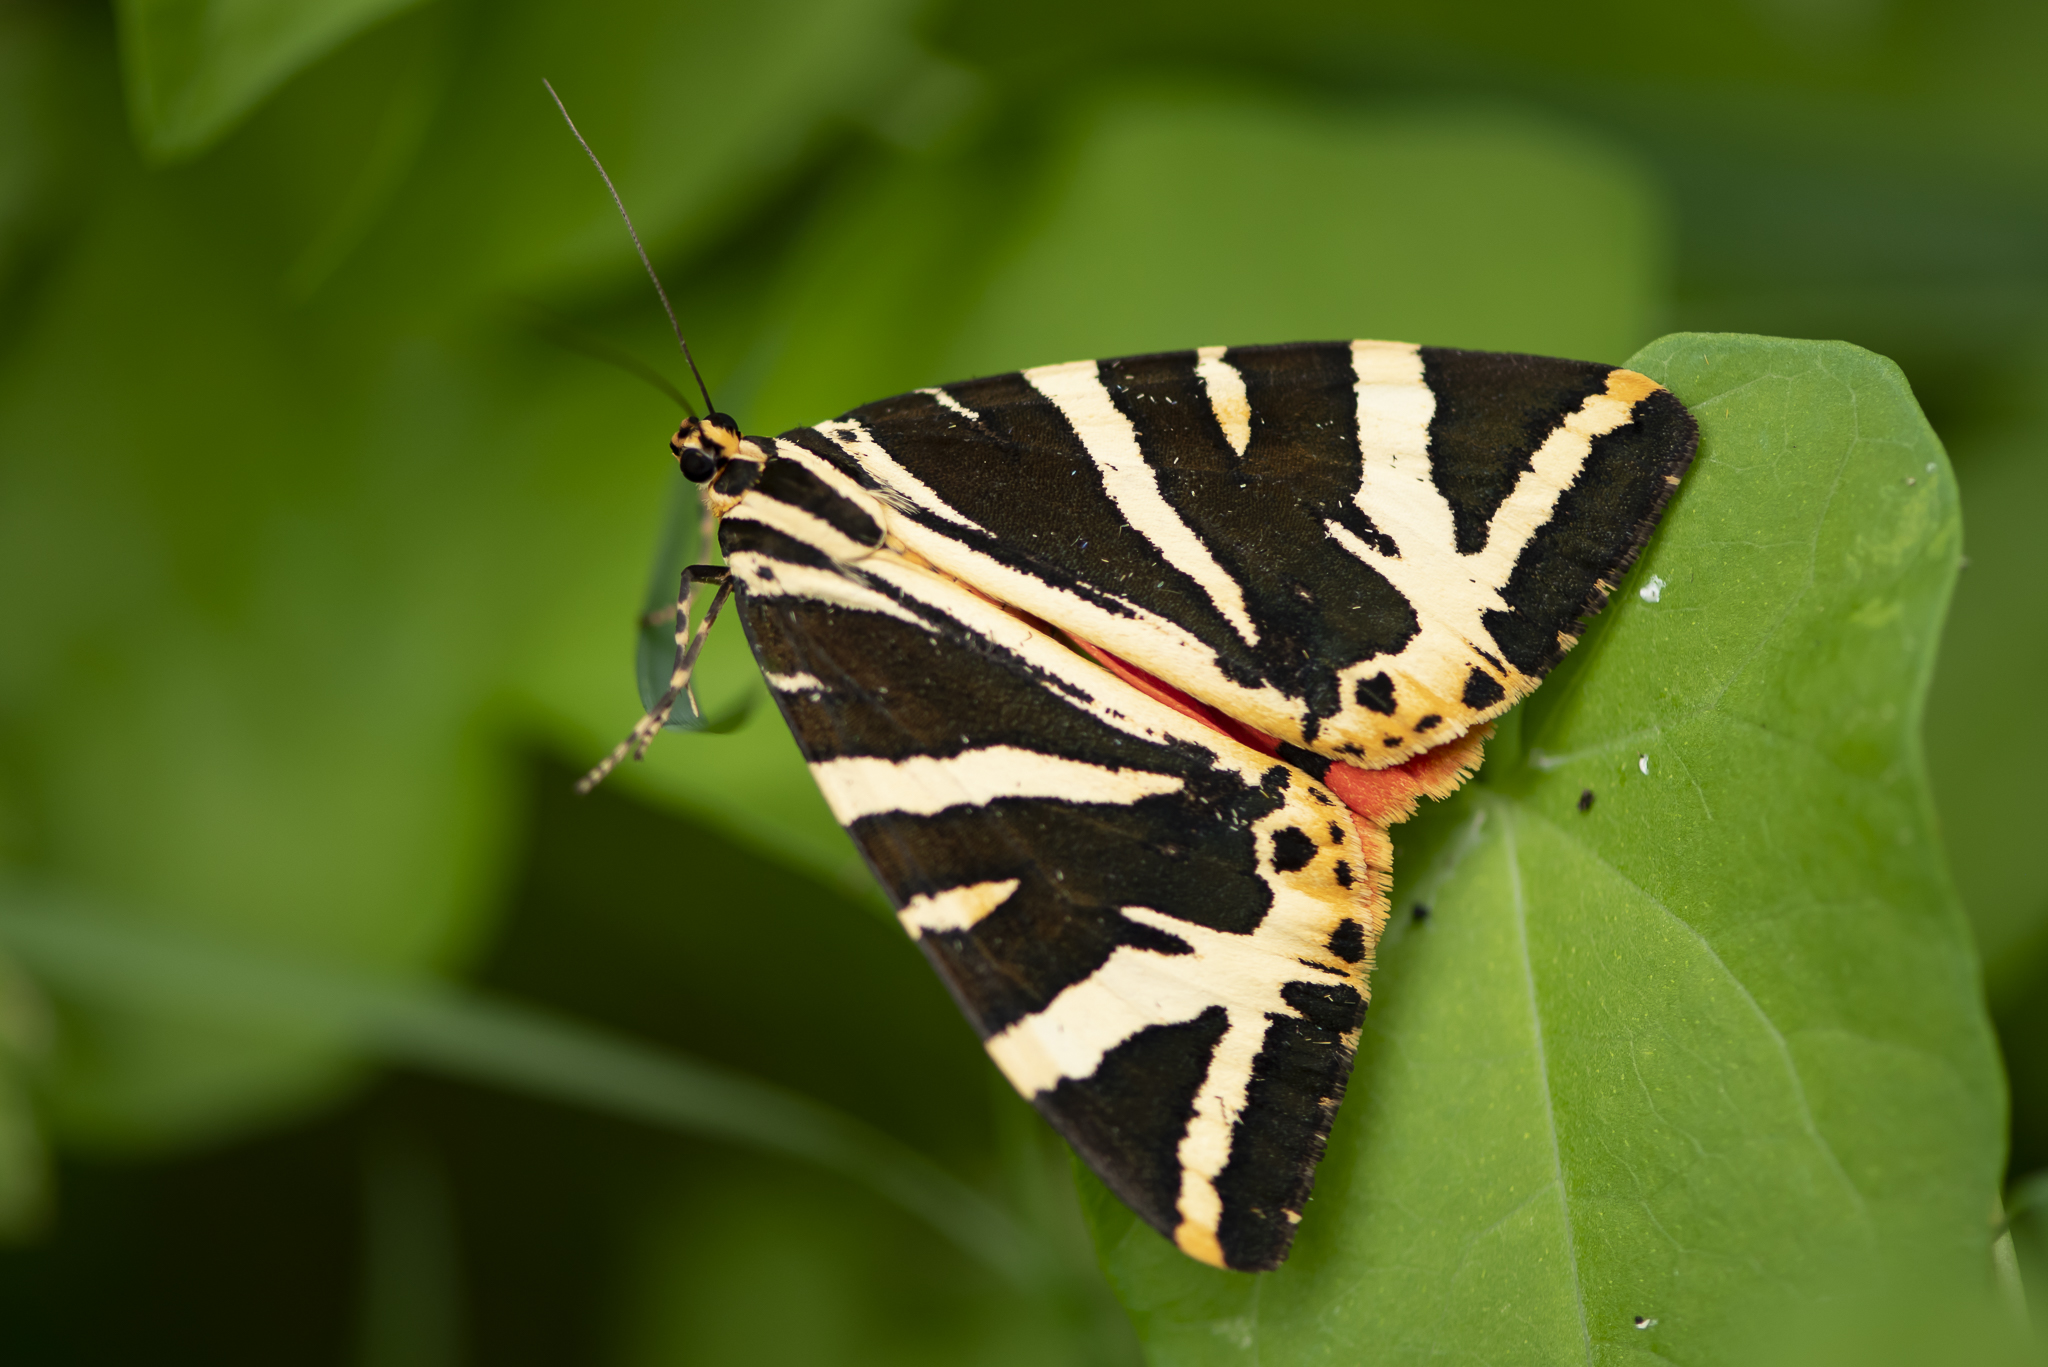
<point>1564,1202</point>
<point>1777,1036</point>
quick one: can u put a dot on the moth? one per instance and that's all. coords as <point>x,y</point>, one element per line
<point>1118,672</point>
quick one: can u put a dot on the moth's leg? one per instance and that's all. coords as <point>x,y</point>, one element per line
<point>687,652</point>
<point>707,535</point>
<point>688,645</point>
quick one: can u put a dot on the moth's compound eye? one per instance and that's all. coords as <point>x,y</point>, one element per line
<point>696,464</point>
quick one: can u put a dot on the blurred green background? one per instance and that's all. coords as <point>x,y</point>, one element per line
<point>323,526</point>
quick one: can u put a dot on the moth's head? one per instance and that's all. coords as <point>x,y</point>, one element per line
<point>704,445</point>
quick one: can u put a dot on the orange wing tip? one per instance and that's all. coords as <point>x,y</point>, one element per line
<point>1199,1243</point>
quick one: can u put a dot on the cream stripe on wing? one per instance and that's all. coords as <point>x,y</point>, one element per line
<point>887,471</point>
<point>800,525</point>
<point>947,401</point>
<point>1205,1145</point>
<point>1076,389</point>
<point>1553,469</point>
<point>1442,584</point>
<point>834,478</point>
<point>922,785</point>
<point>1227,400</point>
<point>1144,638</point>
<point>1395,487</point>
<point>794,683</point>
<point>764,576</point>
<point>1137,988</point>
<point>955,908</point>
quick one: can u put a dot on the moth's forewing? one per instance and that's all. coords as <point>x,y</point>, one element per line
<point>1364,548</point>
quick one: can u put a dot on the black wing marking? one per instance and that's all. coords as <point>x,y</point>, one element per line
<point>1158,933</point>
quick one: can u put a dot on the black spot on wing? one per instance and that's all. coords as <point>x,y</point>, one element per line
<point>1336,1007</point>
<point>1493,409</point>
<point>1315,765</point>
<point>1297,1081</point>
<point>1428,723</point>
<point>1127,1119</point>
<point>1600,525</point>
<point>1368,531</point>
<point>1482,690</point>
<point>1292,849</point>
<point>1347,942</point>
<point>1342,873</point>
<point>1377,694</point>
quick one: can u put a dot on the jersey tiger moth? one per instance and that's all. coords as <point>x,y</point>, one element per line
<point>1118,673</point>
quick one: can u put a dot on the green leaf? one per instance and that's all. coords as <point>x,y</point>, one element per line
<point>1466,226</point>
<point>1715,1046</point>
<point>504,199</point>
<point>106,959</point>
<point>196,67</point>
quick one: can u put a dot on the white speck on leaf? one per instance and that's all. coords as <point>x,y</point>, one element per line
<point>1652,591</point>
<point>1643,763</point>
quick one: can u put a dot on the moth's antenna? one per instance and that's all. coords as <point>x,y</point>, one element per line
<point>570,338</point>
<point>702,388</point>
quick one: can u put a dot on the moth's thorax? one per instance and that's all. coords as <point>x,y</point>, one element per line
<point>737,472</point>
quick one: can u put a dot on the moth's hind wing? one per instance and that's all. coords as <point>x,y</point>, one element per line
<point>1163,937</point>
